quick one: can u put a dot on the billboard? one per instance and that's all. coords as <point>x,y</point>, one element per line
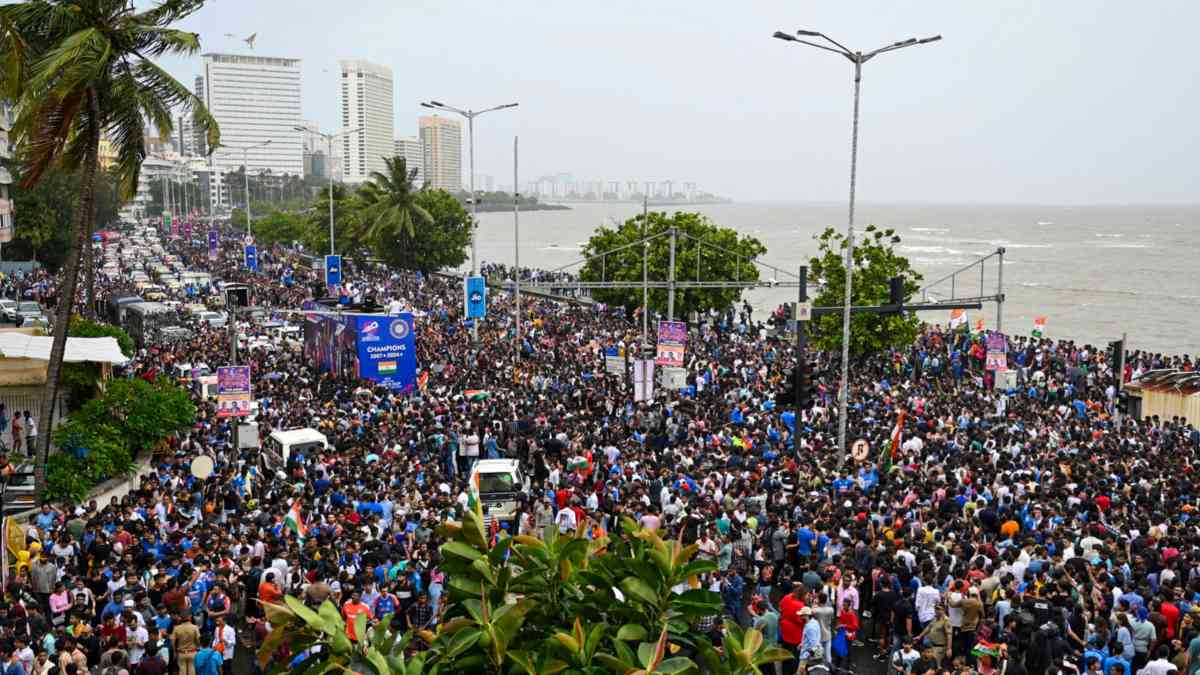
<point>387,350</point>
<point>233,391</point>
<point>672,341</point>
<point>374,347</point>
<point>252,258</point>
<point>213,237</point>
<point>187,230</point>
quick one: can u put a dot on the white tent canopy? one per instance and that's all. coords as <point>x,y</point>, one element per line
<point>95,350</point>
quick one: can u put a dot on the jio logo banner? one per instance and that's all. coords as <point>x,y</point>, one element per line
<point>476,297</point>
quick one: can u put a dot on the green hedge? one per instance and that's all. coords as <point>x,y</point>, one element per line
<point>101,440</point>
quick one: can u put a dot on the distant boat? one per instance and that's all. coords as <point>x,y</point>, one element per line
<point>1045,222</point>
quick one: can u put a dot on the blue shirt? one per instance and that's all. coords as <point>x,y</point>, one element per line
<point>208,662</point>
<point>811,639</point>
<point>804,539</point>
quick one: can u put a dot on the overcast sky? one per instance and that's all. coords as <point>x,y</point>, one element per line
<point>1069,101</point>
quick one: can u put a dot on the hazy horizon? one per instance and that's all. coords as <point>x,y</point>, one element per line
<point>1022,102</point>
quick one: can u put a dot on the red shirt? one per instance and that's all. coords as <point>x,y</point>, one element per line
<point>351,610</point>
<point>791,624</point>
<point>1171,612</point>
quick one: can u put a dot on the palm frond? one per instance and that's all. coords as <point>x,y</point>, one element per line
<point>75,63</point>
<point>45,137</point>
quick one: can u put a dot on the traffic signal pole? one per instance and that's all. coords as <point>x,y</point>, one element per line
<point>801,339</point>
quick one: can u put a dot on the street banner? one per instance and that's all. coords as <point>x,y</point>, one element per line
<point>166,221</point>
<point>6,220</point>
<point>213,237</point>
<point>995,342</point>
<point>252,258</point>
<point>672,341</point>
<point>614,361</point>
<point>996,360</point>
<point>643,380</point>
<point>387,350</point>
<point>187,230</point>
<point>333,271</point>
<point>475,297</point>
<point>233,391</point>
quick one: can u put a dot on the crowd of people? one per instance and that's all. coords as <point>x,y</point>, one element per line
<point>1013,531</point>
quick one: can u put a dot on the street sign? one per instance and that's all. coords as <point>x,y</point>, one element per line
<point>252,258</point>
<point>475,292</point>
<point>333,271</point>
<point>803,311</point>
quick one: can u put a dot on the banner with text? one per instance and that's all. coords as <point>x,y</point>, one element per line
<point>333,271</point>
<point>213,238</point>
<point>475,297</point>
<point>252,258</point>
<point>672,342</point>
<point>387,350</point>
<point>233,391</point>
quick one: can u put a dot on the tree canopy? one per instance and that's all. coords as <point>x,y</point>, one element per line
<point>692,261</point>
<point>875,263</point>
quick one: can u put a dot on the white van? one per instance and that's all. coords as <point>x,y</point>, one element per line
<point>500,483</point>
<point>281,445</point>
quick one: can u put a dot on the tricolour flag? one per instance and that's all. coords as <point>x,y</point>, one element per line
<point>1039,326</point>
<point>979,326</point>
<point>473,493</point>
<point>890,450</point>
<point>476,394</point>
<point>387,367</point>
<point>958,317</point>
<point>295,522</point>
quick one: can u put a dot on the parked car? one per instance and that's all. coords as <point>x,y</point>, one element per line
<point>214,319</point>
<point>18,491</point>
<point>27,308</point>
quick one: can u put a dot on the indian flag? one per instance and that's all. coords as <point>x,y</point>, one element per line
<point>958,317</point>
<point>387,367</point>
<point>476,394</point>
<point>295,522</point>
<point>889,451</point>
<point>979,326</point>
<point>1039,326</point>
<point>582,463</point>
<point>473,493</point>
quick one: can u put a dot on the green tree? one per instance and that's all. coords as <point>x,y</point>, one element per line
<point>280,227</point>
<point>529,605</point>
<point>875,263</point>
<point>692,261</point>
<point>43,214</point>
<point>75,69</point>
<point>346,218</point>
<point>389,203</point>
<point>441,244</point>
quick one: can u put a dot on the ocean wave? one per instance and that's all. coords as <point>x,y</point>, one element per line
<point>938,249</point>
<point>929,229</point>
<point>1111,236</point>
<point>1126,245</point>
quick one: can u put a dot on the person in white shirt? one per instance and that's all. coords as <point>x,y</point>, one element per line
<point>926,601</point>
<point>566,520</point>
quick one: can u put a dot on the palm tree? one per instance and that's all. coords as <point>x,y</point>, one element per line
<point>389,202</point>
<point>75,69</point>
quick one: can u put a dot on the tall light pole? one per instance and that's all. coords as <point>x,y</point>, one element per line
<point>329,167</point>
<point>858,59</point>
<point>246,172</point>
<point>470,115</point>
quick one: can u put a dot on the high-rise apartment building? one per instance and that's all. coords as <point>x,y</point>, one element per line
<point>366,107</point>
<point>256,101</point>
<point>409,147</point>
<point>441,144</point>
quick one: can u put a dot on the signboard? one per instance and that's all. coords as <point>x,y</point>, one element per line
<point>672,378</point>
<point>475,297</point>
<point>1005,380</point>
<point>233,391</point>
<point>167,220</point>
<point>804,311</point>
<point>187,230</point>
<point>213,237</point>
<point>252,258</point>
<point>997,348</point>
<point>614,361</point>
<point>643,380</point>
<point>387,350</point>
<point>672,341</point>
<point>333,271</point>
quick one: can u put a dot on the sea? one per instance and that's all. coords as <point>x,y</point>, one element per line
<point>1093,272</point>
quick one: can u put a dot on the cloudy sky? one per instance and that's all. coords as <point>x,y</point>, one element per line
<point>1064,101</point>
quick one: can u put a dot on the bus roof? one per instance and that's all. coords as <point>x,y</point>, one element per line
<point>295,436</point>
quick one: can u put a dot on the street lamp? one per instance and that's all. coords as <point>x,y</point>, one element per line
<point>329,167</point>
<point>471,115</point>
<point>858,59</point>
<point>246,171</point>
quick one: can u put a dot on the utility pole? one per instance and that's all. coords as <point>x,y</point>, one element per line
<point>516,250</point>
<point>801,333</point>
<point>671,281</point>
<point>645,275</point>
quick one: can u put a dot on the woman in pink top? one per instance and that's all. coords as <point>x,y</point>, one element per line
<point>60,602</point>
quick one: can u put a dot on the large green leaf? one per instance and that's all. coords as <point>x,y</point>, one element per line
<point>639,589</point>
<point>631,631</point>
<point>461,550</point>
<point>309,617</point>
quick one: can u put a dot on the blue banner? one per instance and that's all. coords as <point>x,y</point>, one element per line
<point>333,271</point>
<point>252,258</point>
<point>476,298</point>
<point>387,350</point>
<point>213,237</point>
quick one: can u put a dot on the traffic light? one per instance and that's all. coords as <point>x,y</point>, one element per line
<point>1123,402</point>
<point>789,311</point>
<point>1116,353</point>
<point>896,291</point>
<point>805,391</point>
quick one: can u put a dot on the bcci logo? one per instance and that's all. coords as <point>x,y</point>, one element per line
<point>399,329</point>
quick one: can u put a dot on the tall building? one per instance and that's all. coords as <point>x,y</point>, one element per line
<point>255,99</point>
<point>409,147</point>
<point>6,179</point>
<point>199,140</point>
<point>441,144</point>
<point>367,107</point>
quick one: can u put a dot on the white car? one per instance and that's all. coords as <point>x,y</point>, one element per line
<point>8,309</point>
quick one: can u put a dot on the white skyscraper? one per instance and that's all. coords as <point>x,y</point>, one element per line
<point>366,106</point>
<point>254,99</point>
<point>409,147</point>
